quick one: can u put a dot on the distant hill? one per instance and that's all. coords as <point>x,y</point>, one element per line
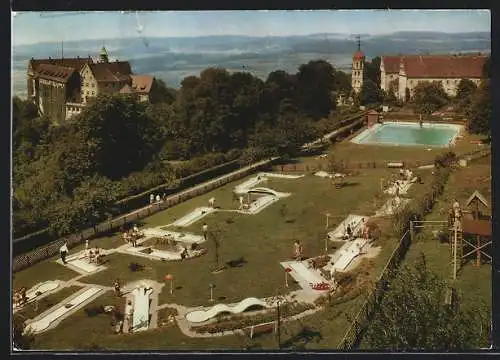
<point>174,58</point>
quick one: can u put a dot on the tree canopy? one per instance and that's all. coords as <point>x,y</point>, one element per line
<point>413,315</point>
<point>480,112</point>
<point>429,97</point>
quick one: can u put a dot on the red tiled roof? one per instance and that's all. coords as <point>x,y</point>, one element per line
<point>437,66</point>
<point>54,72</point>
<point>358,55</point>
<point>391,64</point>
<point>112,71</point>
<point>142,83</point>
<point>75,63</point>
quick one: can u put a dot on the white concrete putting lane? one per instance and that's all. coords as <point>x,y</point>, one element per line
<point>57,312</point>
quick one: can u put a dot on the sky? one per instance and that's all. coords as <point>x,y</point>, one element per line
<point>35,27</point>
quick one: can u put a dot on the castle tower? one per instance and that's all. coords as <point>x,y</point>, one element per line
<point>358,68</point>
<point>103,55</point>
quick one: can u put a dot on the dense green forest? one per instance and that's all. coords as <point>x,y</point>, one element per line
<point>66,177</point>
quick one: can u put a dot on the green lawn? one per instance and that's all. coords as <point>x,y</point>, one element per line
<point>41,272</point>
<point>259,242</point>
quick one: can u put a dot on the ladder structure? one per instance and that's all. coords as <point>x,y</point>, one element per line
<point>456,247</point>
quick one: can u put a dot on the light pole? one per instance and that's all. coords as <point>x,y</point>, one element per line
<point>326,237</point>
<point>287,270</point>
<point>278,323</point>
<point>212,287</point>
<point>170,277</point>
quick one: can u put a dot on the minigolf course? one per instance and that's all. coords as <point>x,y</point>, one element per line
<point>355,221</point>
<point>346,254</point>
<point>39,290</point>
<point>59,311</point>
<point>401,186</point>
<point>198,316</point>
<point>194,216</point>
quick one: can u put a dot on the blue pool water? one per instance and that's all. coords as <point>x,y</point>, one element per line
<point>409,134</point>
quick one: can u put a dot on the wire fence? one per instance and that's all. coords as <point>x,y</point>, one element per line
<point>353,333</point>
<point>23,261</point>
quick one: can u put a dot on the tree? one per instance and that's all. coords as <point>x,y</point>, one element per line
<point>370,93</point>
<point>429,97</point>
<point>413,315</point>
<point>479,114</point>
<point>487,68</point>
<point>160,93</point>
<point>22,339</point>
<point>372,70</point>
<point>315,82</point>
<point>465,90</point>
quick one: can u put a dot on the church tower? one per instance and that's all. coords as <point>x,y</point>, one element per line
<point>103,55</point>
<point>358,68</point>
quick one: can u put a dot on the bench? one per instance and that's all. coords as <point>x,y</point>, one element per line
<point>261,328</point>
<point>395,165</point>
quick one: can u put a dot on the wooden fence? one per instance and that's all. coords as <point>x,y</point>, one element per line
<point>44,252</point>
<point>307,168</point>
<point>360,323</point>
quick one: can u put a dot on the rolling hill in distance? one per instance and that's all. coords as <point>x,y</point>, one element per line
<point>172,59</point>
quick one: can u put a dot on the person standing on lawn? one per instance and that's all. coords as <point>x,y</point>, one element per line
<point>129,315</point>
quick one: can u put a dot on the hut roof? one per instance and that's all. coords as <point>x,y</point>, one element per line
<point>477,195</point>
<point>476,227</point>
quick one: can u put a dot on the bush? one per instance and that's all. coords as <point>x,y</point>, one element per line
<point>133,266</point>
<point>94,310</point>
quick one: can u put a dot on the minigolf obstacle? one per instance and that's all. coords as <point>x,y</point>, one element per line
<point>198,316</point>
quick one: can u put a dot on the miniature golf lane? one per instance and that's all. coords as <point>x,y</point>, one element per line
<point>204,315</point>
<point>62,309</point>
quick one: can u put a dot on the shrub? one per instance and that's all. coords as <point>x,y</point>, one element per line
<point>133,266</point>
<point>94,310</point>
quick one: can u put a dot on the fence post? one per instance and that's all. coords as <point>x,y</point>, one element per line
<point>411,231</point>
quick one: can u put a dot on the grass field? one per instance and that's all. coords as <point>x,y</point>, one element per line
<point>256,243</point>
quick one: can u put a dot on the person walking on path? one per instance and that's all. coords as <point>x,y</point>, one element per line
<point>117,287</point>
<point>64,251</point>
<point>205,230</point>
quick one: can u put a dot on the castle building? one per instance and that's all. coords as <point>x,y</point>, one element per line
<point>398,73</point>
<point>61,88</point>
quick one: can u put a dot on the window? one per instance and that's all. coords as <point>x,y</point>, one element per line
<point>93,84</point>
<point>86,84</point>
<point>93,93</point>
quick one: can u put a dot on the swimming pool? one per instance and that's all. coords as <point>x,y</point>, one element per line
<point>409,134</point>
